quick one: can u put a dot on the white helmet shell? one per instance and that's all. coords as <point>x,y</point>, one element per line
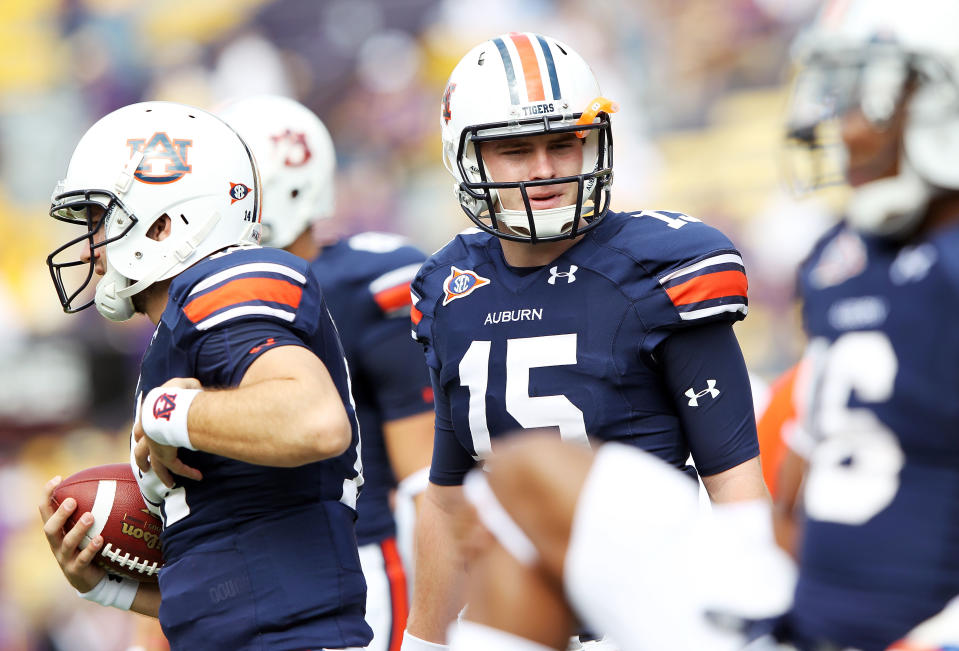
<point>142,162</point>
<point>919,36</point>
<point>296,158</point>
<point>522,84</point>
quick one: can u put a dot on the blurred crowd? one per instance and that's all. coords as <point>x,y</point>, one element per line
<point>701,86</point>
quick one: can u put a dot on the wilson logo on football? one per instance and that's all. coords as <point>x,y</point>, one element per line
<point>297,151</point>
<point>461,283</point>
<point>238,192</point>
<point>164,160</point>
<point>164,406</point>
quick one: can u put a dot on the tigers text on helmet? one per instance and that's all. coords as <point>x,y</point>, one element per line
<point>296,159</point>
<point>888,60</point>
<point>523,84</point>
<point>135,166</point>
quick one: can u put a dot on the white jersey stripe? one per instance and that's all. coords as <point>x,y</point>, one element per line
<point>396,277</point>
<point>253,267</point>
<point>245,310</point>
<point>710,311</point>
<point>726,258</point>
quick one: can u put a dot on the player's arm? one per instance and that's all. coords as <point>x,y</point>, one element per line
<point>706,374</point>
<point>786,506</point>
<point>87,578</point>
<point>439,565</point>
<point>403,393</point>
<point>286,411</point>
<point>440,572</point>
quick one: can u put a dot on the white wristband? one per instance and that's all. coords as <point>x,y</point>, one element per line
<point>113,591</point>
<point>164,413</point>
<point>413,643</point>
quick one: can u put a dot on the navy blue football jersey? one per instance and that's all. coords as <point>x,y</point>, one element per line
<point>366,281</point>
<point>254,552</point>
<point>880,549</point>
<point>574,345</point>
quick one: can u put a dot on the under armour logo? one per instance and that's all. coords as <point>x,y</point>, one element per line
<point>694,396</point>
<point>570,275</point>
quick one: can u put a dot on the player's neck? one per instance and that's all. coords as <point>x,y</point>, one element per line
<point>942,212</point>
<point>521,254</point>
<point>305,245</point>
<point>152,300</point>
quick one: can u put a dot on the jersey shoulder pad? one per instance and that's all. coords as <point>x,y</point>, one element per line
<point>689,272</point>
<point>464,252</point>
<point>388,263</point>
<point>243,284</point>
<point>838,255</point>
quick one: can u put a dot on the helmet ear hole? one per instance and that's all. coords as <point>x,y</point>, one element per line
<point>160,229</point>
<point>294,193</point>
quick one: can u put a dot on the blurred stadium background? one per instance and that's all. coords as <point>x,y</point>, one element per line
<point>701,85</point>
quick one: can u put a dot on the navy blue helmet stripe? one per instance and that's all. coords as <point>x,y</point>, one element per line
<point>510,73</point>
<point>550,66</point>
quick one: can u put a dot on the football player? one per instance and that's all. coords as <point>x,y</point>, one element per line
<point>618,540</point>
<point>366,280</point>
<point>245,439</point>
<point>878,84</point>
<point>557,312</point>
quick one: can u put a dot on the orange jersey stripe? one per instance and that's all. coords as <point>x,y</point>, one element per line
<point>707,286</point>
<point>534,81</point>
<point>397,578</point>
<point>415,315</point>
<point>241,291</point>
<point>393,298</point>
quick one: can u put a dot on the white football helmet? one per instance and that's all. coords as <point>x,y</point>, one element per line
<point>297,163</point>
<point>868,55</point>
<point>137,164</point>
<point>522,84</point>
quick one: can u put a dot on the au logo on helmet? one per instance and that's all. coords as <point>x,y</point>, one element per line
<point>297,150</point>
<point>164,160</point>
<point>447,113</point>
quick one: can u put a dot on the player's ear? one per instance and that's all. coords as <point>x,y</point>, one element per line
<point>160,229</point>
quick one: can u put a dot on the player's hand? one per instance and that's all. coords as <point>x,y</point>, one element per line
<point>163,459</point>
<point>75,563</point>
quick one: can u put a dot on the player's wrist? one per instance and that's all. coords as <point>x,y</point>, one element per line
<point>113,591</point>
<point>413,643</point>
<point>164,415</point>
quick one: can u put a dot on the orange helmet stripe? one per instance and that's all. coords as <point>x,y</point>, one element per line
<point>527,57</point>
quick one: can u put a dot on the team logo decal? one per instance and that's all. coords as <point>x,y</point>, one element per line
<point>694,395</point>
<point>164,406</point>
<point>447,113</point>
<point>555,273</point>
<point>238,192</point>
<point>297,151</point>
<point>461,283</point>
<point>164,160</point>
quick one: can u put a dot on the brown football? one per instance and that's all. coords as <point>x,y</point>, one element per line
<point>131,533</point>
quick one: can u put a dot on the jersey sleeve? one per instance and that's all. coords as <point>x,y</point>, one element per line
<point>451,461</point>
<point>423,312</point>
<point>226,353</point>
<point>689,274</point>
<point>705,371</point>
<point>402,386</point>
<point>229,314</point>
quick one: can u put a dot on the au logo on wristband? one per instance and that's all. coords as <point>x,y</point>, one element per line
<point>164,405</point>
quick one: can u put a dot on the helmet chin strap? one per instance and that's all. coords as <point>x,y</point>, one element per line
<point>890,207</point>
<point>552,221</point>
<point>108,300</point>
<point>114,291</point>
